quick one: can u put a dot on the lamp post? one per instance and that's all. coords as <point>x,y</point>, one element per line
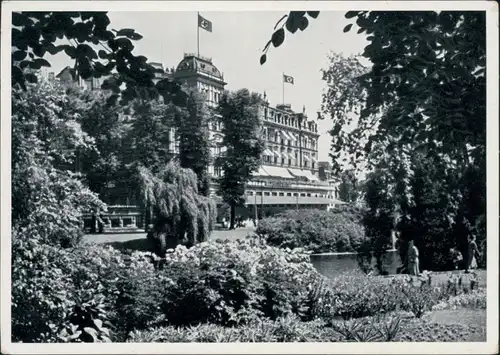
<point>255,207</point>
<point>261,199</point>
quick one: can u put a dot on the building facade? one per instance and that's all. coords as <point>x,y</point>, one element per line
<point>288,176</point>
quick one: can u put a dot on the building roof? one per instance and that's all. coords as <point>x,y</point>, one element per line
<point>67,69</point>
<point>192,64</point>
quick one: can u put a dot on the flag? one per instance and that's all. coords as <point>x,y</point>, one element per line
<point>204,23</point>
<point>288,79</point>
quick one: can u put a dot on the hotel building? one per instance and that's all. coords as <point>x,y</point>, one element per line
<point>288,177</point>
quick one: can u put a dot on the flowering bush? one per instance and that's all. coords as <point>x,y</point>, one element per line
<point>234,282</point>
<point>72,294</point>
<point>314,230</point>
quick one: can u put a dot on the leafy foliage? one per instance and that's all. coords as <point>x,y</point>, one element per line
<point>295,20</point>
<point>349,187</point>
<point>244,143</point>
<point>99,52</point>
<point>232,283</point>
<point>420,63</point>
<point>193,134</point>
<point>317,231</point>
<point>61,294</point>
<point>149,137</point>
<point>182,214</point>
<point>47,199</point>
<point>379,217</point>
<point>108,126</point>
<point>285,329</point>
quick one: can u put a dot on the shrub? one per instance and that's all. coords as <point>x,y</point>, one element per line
<point>70,294</point>
<point>369,329</point>
<point>233,282</point>
<point>41,290</point>
<point>314,230</point>
<point>283,329</point>
<point>140,293</point>
<point>356,296</point>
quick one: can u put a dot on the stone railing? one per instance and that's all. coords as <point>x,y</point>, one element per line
<point>118,219</point>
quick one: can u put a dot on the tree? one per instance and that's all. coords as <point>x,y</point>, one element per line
<point>241,126</point>
<point>47,199</point>
<point>425,93</point>
<point>348,187</point>
<point>108,126</point>
<point>182,214</point>
<point>34,34</point>
<point>422,63</point>
<point>192,131</point>
<point>379,217</point>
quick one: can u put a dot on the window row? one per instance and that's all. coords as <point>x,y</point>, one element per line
<point>289,194</point>
<point>291,121</point>
<point>289,162</point>
<point>289,139</point>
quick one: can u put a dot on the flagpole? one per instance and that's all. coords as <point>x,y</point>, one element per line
<point>283,83</point>
<point>198,32</point>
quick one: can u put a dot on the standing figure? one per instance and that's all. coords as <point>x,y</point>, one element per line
<point>472,254</point>
<point>93,225</point>
<point>413,267</point>
<point>100,223</point>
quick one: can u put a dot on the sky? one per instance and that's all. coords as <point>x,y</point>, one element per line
<point>235,45</point>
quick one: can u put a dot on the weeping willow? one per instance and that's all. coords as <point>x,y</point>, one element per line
<point>183,215</point>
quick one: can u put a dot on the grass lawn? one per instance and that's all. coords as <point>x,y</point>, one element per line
<point>137,241</point>
<point>239,233</point>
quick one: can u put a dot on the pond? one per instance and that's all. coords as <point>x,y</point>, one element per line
<point>335,264</point>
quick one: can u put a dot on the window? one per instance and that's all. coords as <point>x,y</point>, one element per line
<point>266,193</point>
<point>308,195</point>
<point>275,160</point>
<point>312,164</point>
<point>289,161</point>
<point>274,194</point>
<point>250,193</point>
<point>281,194</point>
<point>289,194</point>
<point>295,194</point>
<point>258,193</point>
<point>303,194</point>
